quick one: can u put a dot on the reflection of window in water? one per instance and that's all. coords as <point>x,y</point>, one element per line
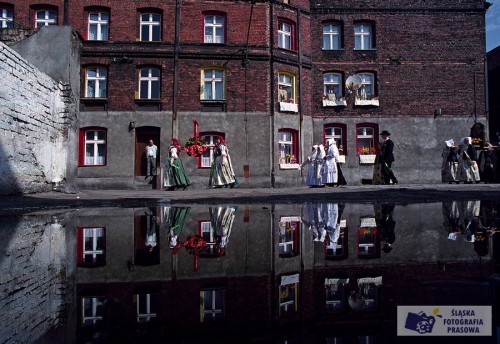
<point>92,310</point>
<point>369,290</point>
<point>288,293</point>
<point>212,305</point>
<point>368,238</point>
<point>147,307</point>
<point>289,236</point>
<point>336,294</point>
<point>206,231</point>
<point>91,246</point>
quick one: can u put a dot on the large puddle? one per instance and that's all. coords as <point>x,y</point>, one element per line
<point>260,273</point>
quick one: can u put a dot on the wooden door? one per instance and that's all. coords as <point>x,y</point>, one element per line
<point>142,137</point>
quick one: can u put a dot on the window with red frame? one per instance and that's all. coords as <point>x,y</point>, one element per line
<point>91,246</point>
<point>205,160</point>
<point>366,138</point>
<point>288,146</point>
<point>92,147</point>
<point>286,34</point>
<point>338,132</point>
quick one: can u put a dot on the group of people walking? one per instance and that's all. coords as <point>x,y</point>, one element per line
<point>323,166</point>
<point>175,177</point>
<point>462,163</point>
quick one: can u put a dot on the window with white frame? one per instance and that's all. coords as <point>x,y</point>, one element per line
<point>150,27</point>
<point>149,83</point>
<point>363,36</point>
<point>98,26</point>
<point>288,294</point>
<point>365,139</point>
<point>95,147</point>
<point>286,88</point>
<point>337,133</point>
<point>45,17</point>
<point>6,18</point>
<point>213,29</point>
<point>287,146</point>
<point>367,89</point>
<point>96,82</point>
<point>92,310</point>
<point>288,236</point>
<point>94,246</point>
<point>212,305</point>
<point>147,307</point>
<point>207,157</point>
<point>332,85</point>
<point>212,87</point>
<point>285,35</point>
<point>332,36</point>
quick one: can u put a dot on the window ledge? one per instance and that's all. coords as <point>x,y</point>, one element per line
<point>341,159</point>
<point>366,102</point>
<point>367,159</point>
<point>289,166</point>
<point>337,102</point>
<point>289,107</point>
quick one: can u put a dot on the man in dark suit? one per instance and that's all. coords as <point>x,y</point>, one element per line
<point>387,157</point>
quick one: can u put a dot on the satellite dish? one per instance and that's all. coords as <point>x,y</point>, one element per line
<point>353,82</point>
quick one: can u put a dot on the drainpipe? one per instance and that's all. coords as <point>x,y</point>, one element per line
<point>271,72</point>
<point>65,13</point>
<point>487,97</point>
<point>301,116</point>
<point>175,124</point>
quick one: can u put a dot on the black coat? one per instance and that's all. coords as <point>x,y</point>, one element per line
<point>387,148</point>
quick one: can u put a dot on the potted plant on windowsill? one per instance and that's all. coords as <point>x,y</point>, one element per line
<point>367,155</point>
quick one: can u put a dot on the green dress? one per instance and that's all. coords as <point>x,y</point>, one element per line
<point>175,176</point>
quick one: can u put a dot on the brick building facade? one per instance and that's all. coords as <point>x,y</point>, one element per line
<point>269,76</point>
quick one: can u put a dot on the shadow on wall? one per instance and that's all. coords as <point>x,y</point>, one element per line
<point>9,183</point>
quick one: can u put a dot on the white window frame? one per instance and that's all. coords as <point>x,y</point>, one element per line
<point>332,81</point>
<point>46,20</point>
<point>212,25</point>
<point>148,82</point>
<point>285,35</point>
<point>337,137</point>
<point>101,24</point>
<point>206,161</point>
<point>332,36</point>
<point>93,317</point>
<point>363,36</point>
<point>99,81</point>
<point>151,24</point>
<point>286,146</point>
<point>149,315</point>
<point>211,78</point>
<point>95,233</point>
<point>286,82</point>
<point>367,83</point>
<point>365,135</point>
<point>95,159</point>
<point>6,18</point>
<point>212,313</point>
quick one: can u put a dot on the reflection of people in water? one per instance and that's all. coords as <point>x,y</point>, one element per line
<point>316,221</point>
<point>333,216</point>
<point>387,225</point>
<point>147,243</point>
<point>451,219</point>
<point>222,219</point>
<point>173,220</point>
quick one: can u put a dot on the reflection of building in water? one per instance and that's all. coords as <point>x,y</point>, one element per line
<point>254,287</point>
<point>147,246</point>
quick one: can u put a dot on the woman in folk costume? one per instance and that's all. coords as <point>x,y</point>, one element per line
<point>467,162</point>
<point>313,164</point>
<point>378,176</point>
<point>449,166</point>
<point>487,162</point>
<point>330,175</point>
<point>175,176</point>
<point>221,172</point>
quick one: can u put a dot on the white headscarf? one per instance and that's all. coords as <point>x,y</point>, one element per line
<point>450,143</point>
<point>321,153</point>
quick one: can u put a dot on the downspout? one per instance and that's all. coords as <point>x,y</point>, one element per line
<point>301,116</point>
<point>271,74</point>
<point>175,124</point>
<point>66,13</point>
<point>487,97</point>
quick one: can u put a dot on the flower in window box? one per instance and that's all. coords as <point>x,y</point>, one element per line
<point>293,160</point>
<point>195,147</point>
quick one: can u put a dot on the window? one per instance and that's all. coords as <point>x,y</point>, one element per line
<point>91,246</point>
<point>286,88</point>
<point>6,18</point>
<point>332,85</point>
<point>288,294</point>
<point>289,236</point>
<point>212,84</point>
<point>332,36</point>
<point>92,147</point>
<point>150,27</point>
<point>147,307</point>
<point>288,146</point>
<point>285,35</point>
<point>212,305</point>
<point>367,89</point>
<point>149,83</point>
<point>205,160</point>
<point>366,138</point>
<point>337,132</point>
<point>213,29</point>
<point>95,82</point>
<point>363,36</point>
<point>92,311</point>
<point>43,18</point>
<point>98,26</point>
